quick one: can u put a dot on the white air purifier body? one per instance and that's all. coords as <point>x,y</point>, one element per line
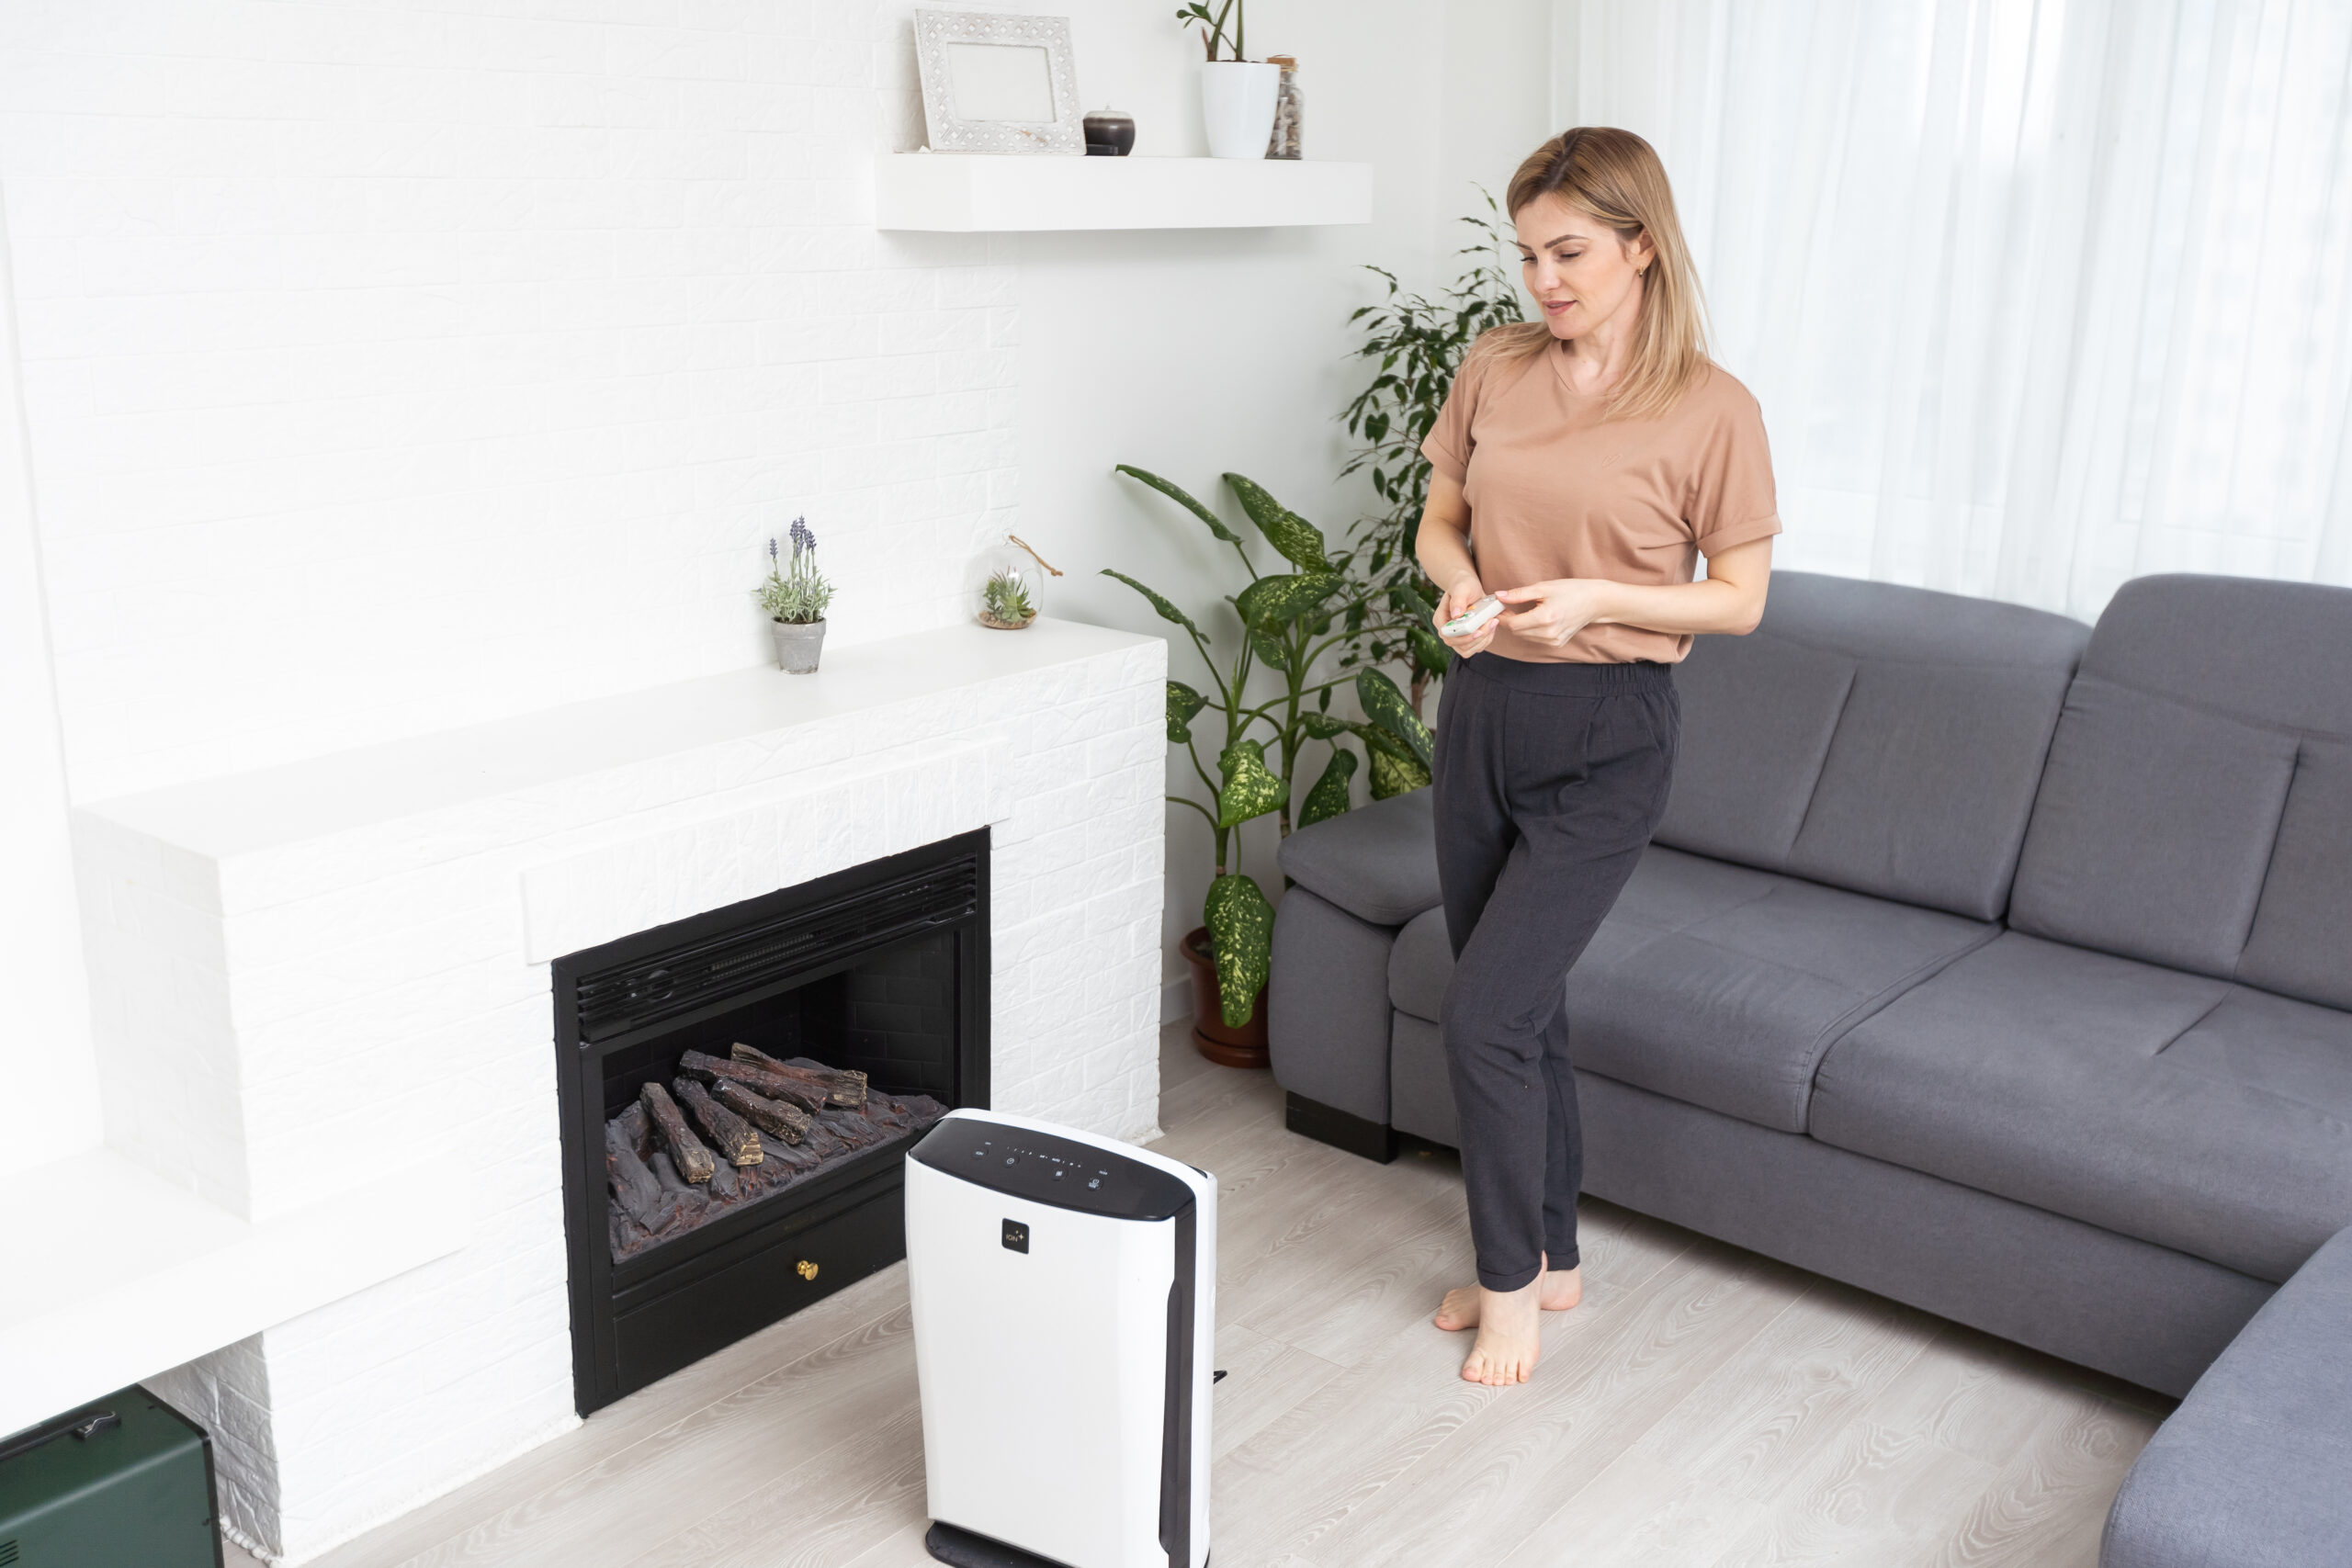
<point>1064,1290</point>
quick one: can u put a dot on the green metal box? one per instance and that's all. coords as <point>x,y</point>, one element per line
<point>125,1482</point>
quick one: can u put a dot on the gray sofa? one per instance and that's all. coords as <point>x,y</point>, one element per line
<point>1985,961</point>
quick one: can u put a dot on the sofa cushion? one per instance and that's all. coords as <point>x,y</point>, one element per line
<point>1378,862</point>
<point>2301,941</point>
<point>1875,737</point>
<point>2251,1471</point>
<point>2197,810</point>
<point>2178,1109</point>
<point>1718,984</point>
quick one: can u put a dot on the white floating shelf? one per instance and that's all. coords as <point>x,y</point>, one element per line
<point>980,192</point>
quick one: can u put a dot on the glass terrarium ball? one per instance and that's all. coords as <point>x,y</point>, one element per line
<point>1008,588</point>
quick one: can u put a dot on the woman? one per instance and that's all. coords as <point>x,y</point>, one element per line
<point>1580,466</point>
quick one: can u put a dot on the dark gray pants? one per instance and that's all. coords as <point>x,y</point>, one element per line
<point>1549,778</point>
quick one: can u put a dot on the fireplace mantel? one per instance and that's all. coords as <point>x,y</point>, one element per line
<point>310,975</point>
<point>245,814</point>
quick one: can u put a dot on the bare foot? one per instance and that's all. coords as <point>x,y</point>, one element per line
<point>1510,1336</point>
<point>1562,1287</point>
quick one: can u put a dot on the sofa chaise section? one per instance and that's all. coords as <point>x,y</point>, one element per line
<point>2254,1469</point>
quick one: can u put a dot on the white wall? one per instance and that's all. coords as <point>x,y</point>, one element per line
<point>389,370</point>
<point>46,1049</point>
<point>1194,352</point>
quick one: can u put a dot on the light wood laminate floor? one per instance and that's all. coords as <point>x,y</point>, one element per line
<point>1703,1406</point>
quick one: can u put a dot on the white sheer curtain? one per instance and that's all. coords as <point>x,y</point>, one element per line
<point>2037,295</point>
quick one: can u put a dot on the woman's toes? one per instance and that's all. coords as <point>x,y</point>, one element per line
<point>1458,1311</point>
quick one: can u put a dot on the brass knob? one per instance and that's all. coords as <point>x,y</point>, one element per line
<point>806,1270</point>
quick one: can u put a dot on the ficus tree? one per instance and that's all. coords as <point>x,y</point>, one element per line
<point>1292,624</point>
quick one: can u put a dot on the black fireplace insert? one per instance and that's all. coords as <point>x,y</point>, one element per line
<point>738,1092</point>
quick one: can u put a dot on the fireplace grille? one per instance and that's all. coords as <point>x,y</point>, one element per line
<point>677,981</point>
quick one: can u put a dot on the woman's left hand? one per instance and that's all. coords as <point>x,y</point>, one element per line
<point>1555,611</point>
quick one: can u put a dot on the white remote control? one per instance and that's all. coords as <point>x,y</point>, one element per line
<point>1471,619</point>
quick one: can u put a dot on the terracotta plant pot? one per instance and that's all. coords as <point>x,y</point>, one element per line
<point>1226,1046</point>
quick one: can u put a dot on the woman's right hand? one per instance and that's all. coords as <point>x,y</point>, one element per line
<point>1460,594</point>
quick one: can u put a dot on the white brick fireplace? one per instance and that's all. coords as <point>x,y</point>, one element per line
<point>331,977</point>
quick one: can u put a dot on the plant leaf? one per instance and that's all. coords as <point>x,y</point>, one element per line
<point>1386,706</point>
<point>1241,929</point>
<point>1409,598</point>
<point>1182,704</point>
<point>1167,612</point>
<point>1322,726</point>
<point>1394,775</point>
<point>1429,651</point>
<point>1379,743</point>
<point>1299,541</point>
<point>1177,494</point>
<point>1247,787</point>
<point>1329,795</point>
<point>1271,601</point>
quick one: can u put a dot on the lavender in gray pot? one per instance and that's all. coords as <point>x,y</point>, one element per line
<point>795,596</point>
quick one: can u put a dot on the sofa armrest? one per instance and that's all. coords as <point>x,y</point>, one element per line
<point>1326,1006</point>
<point>2254,1469</point>
<point>1378,863</point>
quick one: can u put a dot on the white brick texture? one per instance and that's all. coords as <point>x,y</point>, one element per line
<point>292,1015</point>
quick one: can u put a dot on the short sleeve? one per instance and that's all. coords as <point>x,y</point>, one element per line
<point>1732,500</point>
<point>1448,443</point>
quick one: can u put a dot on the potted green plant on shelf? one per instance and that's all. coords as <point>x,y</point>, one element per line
<point>1416,345</point>
<point>1238,94</point>
<point>1287,629</point>
<point>795,596</point>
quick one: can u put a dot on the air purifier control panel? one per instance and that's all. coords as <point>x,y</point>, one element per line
<point>1048,1169</point>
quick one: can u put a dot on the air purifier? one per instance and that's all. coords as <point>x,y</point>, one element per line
<point>1064,1291</point>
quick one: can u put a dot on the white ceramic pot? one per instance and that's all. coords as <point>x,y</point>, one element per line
<point>1238,103</point>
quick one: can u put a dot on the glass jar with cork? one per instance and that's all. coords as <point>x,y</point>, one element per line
<point>1285,141</point>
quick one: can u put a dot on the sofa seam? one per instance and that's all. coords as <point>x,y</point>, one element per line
<point>1812,790</point>
<point>2269,861</point>
<point>1861,1012</point>
<point>2185,1029</point>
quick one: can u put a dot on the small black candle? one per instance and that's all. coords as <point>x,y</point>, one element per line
<point>1109,135</point>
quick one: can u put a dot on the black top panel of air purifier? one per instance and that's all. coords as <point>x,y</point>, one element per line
<point>1048,1169</point>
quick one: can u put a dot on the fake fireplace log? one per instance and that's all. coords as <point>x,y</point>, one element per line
<point>751,1147</point>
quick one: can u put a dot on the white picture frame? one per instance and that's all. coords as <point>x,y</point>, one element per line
<point>998,81</point>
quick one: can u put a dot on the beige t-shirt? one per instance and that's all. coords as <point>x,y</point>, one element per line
<point>1555,490</point>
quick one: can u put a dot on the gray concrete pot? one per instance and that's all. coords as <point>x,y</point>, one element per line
<point>797,643</point>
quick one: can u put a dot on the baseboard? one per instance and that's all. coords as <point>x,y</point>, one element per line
<point>1176,1000</point>
<point>1374,1141</point>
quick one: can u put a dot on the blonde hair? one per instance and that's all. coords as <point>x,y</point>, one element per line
<point>1616,176</point>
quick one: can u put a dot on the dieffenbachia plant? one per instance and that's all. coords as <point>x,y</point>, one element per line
<point>1287,621</point>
